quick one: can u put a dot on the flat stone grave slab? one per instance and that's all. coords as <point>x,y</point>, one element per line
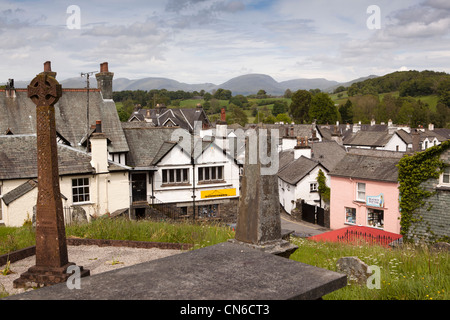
<point>225,271</point>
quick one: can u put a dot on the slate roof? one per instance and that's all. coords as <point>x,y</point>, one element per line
<point>19,191</point>
<point>441,134</point>
<point>405,136</point>
<point>182,117</point>
<point>325,153</point>
<point>299,130</point>
<point>326,131</point>
<point>163,150</point>
<point>328,153</point>
<point>145,142</point>
<point>19,116</point>
<point>368,138</point>
<point>18,158</point>
<point>297,170</point>
<point>22,190</point>
<point>369,164</point>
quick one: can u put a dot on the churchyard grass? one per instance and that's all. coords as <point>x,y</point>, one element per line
<point>12,239</point>
<point>196,233</point>
<point>407,273</point>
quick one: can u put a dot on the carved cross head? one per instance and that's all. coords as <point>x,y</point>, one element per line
<point>44,90</point>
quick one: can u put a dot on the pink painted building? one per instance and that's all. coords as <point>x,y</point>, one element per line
<point>364,191</point>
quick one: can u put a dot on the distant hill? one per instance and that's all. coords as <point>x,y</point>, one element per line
<point>252,83</point>
<point>407,83</point>
<point>348,84</point>
<point>245,84</point>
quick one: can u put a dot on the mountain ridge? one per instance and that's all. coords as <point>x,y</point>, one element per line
<point>244,84</point>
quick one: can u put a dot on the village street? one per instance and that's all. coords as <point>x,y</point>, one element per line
<point>300,228</point>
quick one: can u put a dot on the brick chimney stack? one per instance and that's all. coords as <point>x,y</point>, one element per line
<point>48,69</point>
<point>104,81</point>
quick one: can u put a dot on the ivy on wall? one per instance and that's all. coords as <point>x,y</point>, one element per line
<point>323,189</point>
<point>413,171</point>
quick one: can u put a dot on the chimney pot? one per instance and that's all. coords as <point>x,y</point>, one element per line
<point>223,117</point>
<point>104,67</point>
<point>47,66</point>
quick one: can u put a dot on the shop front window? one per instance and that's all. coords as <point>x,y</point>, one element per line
<point>208,211</point>
<point>375,218</point>
<point>350,215</point>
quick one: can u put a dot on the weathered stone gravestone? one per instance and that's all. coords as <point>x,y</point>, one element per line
<point>258,224</point>
<point>51,247</point>
<point>355,269</point>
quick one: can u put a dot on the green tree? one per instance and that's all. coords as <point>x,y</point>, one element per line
<point>240,101</point>
<point>270,119</point>
<point>323,109</point>
<point>279,107</point>
<point>441,118</point>
<point>288,94</point>
<point>299,107</point>
<point>444,98</point>
<point>262,94</point>
<point>222,94</point>
<point>283,117</point>
<point>346,111</point>
<point>207,96</point>
<point>339,89</point>
<point>237,115</point>
<point>214,106</point>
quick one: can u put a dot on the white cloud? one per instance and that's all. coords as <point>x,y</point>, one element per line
<point>214,40</point>
<point>438,4</point>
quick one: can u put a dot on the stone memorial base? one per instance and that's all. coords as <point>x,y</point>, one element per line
<point>225,271</point>
<point>43,276</point>
<point>282,248</point>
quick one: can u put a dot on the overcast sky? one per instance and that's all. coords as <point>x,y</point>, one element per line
<point>196,41</point>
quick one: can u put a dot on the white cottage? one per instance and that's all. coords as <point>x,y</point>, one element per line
<point>299,168</point>
<point>201,184</point>
<point>90,184</point>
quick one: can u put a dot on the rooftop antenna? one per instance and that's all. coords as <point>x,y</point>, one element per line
<point>87,75</point>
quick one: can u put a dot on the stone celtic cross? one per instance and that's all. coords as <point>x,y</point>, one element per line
<point>44,90</point>
<point>51,247</point>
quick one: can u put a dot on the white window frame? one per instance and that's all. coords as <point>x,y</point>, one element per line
<point>86,196</point>
<point>175,176</point>
<point>444,178</point>
<point>347,209</point>
<point>210,174</point>
<point>313,187</point>
<point>358,191</point>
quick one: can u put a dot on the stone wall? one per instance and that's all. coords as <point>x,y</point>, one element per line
<point>227,209</point>
<point>434,216</point>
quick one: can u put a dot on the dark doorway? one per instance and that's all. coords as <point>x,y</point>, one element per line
<point>139,187</point>
<point>140,213</point>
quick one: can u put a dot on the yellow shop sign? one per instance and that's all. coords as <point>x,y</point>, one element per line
<point>218,193</point>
